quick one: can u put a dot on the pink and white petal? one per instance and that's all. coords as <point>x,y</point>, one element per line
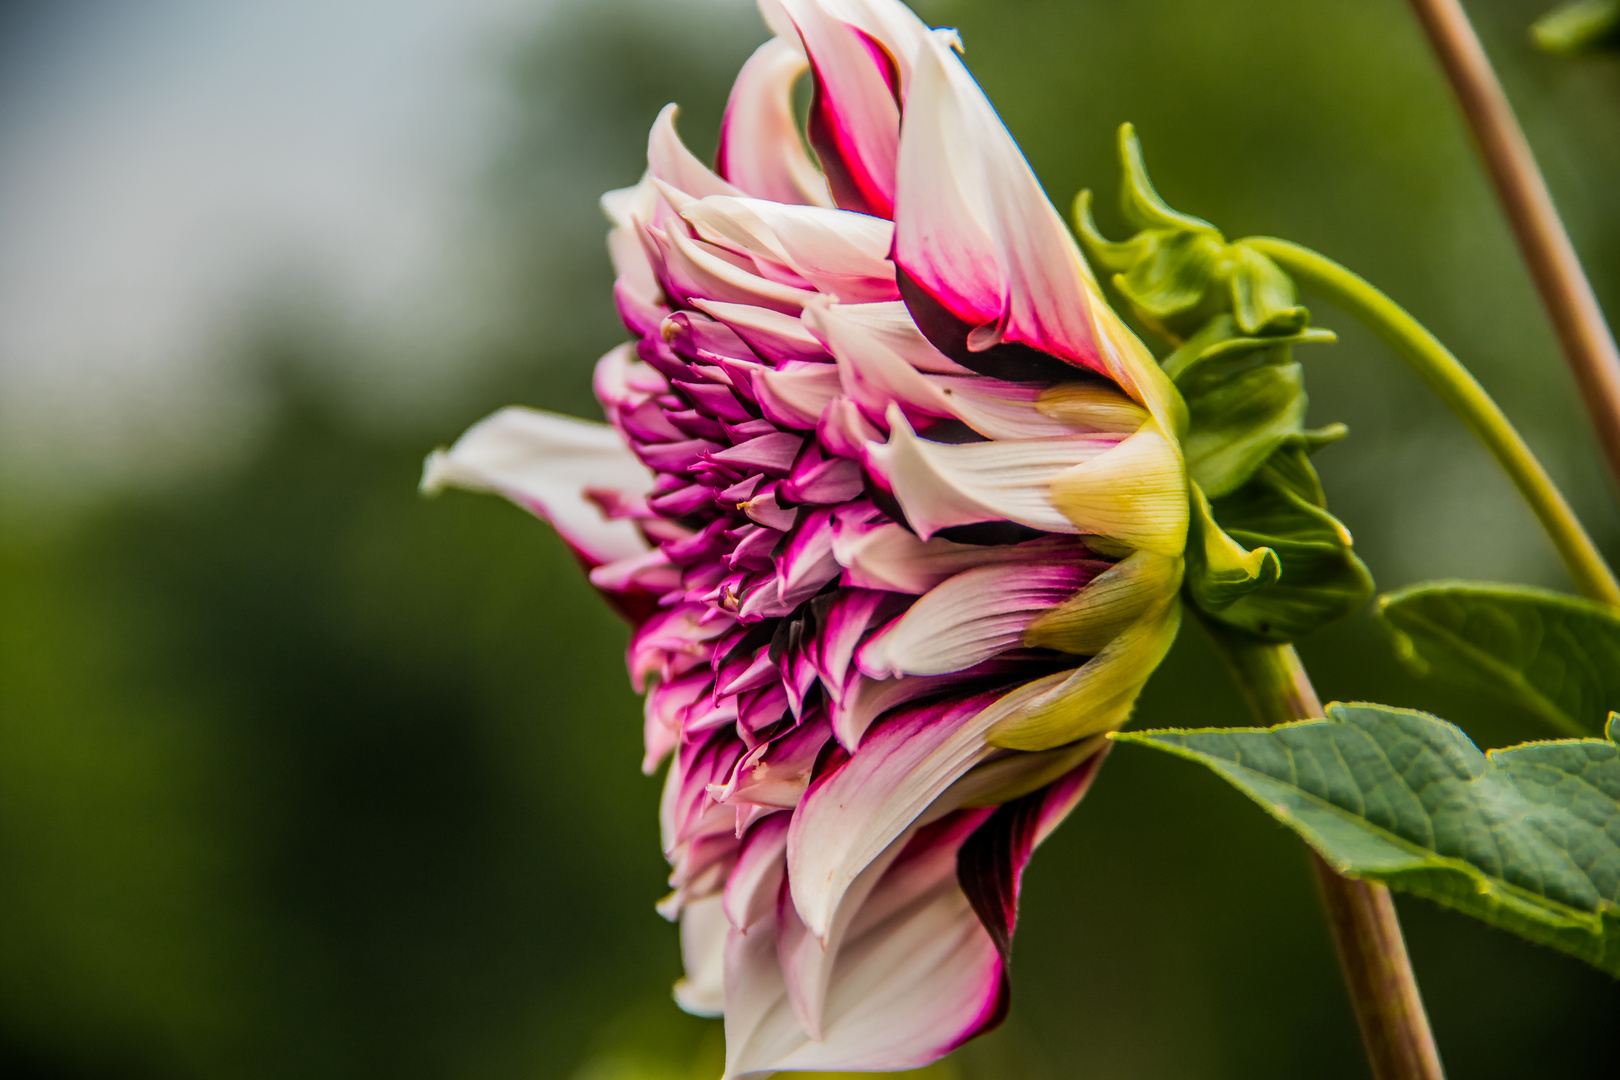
<point>774,337</point>
<point>969,618</point>
<point>916,976</point>
<point>960,164</point>
<point>752,888</point>
<point>874,376</point>
<point>943,238</point>
<point>544,462</point>
<point>669,160</point>
<point>990,865</point>
<point>849,816</point>
<point>696,270</point>
<point>939,485</point>
<point>998,409</point>
<point>854,117</point>
<point>761,150</point>
<point>637,287</point>
<point>797,393</point>
<point>816,242</point>
<point>888,556</point>
<point>703,953</point>
<point>776,773</point>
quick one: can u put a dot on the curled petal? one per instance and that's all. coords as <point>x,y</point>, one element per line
<point>669,160</point>
<point>875,374</point>
<point>1087,622</point>
<point>760,148</point>
<point>795,394</point>
<point>544,462</point>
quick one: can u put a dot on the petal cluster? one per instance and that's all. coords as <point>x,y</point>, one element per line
<point>895,505</point>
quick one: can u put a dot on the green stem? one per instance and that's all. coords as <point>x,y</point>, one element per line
<point>1462,393</point>
<point>1361,914</point>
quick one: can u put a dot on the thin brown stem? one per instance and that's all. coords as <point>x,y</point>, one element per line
<point>1567,294</point>
<point>1372,953</point>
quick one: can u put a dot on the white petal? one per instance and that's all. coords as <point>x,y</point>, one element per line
<point>771,334</point>
<point>703,953</point>
<point>891,557</point>
<point>546,463</point>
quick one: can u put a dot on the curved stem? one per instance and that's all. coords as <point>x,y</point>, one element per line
<point>1361,914</point>
<point>1462,393</point>
<point>1565,291</point>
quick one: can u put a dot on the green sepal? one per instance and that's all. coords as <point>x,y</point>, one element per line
<point>1178,271</point>
<point>1245,396</point>
<point>1526,839</point>
<point>1321,578</point>
<point>1263,297</point>
<point>1219,569</point>
<point>1578,27</point>
<point>1139,200</point>
<point>1556,656</point>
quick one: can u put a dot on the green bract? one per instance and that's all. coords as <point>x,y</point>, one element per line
<point>1556,656</point>
<point>1264,555</point>
<point>1527,838</point>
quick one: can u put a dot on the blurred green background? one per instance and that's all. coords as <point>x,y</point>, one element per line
<point>302,776</point>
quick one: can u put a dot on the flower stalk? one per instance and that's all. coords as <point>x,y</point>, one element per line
<point>1565,291</point>
<point>1463,394</point>
<point>1361,914</point>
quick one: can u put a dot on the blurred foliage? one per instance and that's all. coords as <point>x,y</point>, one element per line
<point>302,776</point>
<point>1579,26</point>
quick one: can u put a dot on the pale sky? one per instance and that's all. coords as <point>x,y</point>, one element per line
<point>166,164</point>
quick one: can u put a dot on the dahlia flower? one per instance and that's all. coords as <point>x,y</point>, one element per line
<point>894,504</point>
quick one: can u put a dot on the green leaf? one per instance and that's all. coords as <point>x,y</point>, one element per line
<point>1555,655</point>
<point>1321,578</point>
<point>1219,569</point>
<point>1526,839</point>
